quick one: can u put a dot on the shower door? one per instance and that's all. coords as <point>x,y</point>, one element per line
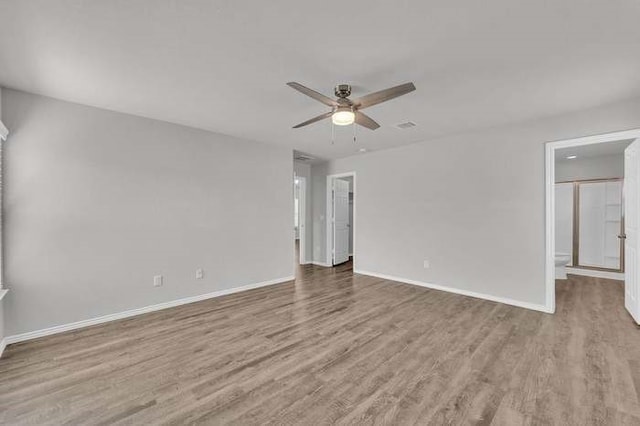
<point>599,221</point>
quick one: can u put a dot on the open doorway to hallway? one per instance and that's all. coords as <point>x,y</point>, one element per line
<point>592,209</point>
<point>302,217</point>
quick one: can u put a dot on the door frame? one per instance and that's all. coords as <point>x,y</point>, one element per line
<point>550,177</point>
<point>302,218</point>
<point>329,217</point>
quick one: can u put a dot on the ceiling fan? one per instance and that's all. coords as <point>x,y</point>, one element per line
<point>345,111</point>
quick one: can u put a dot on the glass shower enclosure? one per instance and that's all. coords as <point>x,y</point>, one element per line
<point>589,219</point>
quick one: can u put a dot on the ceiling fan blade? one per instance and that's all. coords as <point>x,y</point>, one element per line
<point>366,121</point>
<point>313,94</point>
<point>314,119</point>
<point>384,95</point>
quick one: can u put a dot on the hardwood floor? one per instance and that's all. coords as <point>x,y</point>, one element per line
<point>334,347</point>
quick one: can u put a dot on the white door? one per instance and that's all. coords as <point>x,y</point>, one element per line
<point>302,219</point>
<point>631,211</point>
<point>340,221</point>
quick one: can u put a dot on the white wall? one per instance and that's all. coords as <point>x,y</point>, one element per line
<point>304,170</point>
<point>471,204</point>
<point>98,202</point>
<point>602,167</point>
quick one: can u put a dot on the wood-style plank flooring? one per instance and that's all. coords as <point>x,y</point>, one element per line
<point>333,347</point>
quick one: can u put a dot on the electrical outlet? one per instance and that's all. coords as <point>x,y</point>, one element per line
<point>199,274</point>
<point>426,264</point>
<point>157,280</point>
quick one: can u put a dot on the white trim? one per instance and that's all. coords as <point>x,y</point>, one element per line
<point>506,301</point>
<point>550,231</point>
<point>138,311</point>
<point>324,264</point>
<point>595,273</point>
<point>4,132</point>
<point>3,342</point>
<point>329,215</point>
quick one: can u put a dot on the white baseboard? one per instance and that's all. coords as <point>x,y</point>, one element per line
<point>3,344</point>
<point>595,273</point>
<point>138,311</point>
<point>326,265</point>
<point>506,301</point>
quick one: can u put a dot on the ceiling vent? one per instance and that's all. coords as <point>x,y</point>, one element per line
<point>302,157</point>
<point>406,125</point>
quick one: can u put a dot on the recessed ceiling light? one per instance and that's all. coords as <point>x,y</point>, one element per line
<point>571,157</point>
<point>362,150</point>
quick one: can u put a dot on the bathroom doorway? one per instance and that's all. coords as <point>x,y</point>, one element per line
<point>590,188</point>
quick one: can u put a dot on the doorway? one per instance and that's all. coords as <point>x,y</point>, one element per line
<point>299,219</point>
<point>591,208</point>
<point>341,219</point>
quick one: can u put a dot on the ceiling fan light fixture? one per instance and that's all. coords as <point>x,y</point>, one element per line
<point>344,111</point>
<point>343,117</point>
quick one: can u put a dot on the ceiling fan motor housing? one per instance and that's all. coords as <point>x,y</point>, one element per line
<point>343,90</point>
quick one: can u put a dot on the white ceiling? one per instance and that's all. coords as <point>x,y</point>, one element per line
<point>593,150</point>
<point>223,65</point>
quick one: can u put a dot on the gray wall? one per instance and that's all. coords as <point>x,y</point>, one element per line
<point>471,204</point>
<point>98,202</point>
<point>606,166</point>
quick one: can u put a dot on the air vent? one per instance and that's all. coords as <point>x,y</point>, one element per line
<point>406,125</point>
<point>301,157</point>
